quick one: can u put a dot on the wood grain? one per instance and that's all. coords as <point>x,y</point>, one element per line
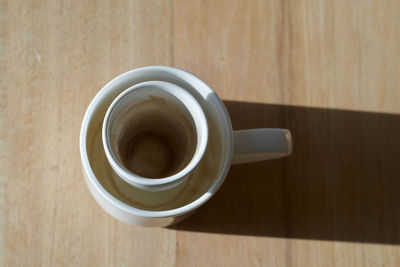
<point>327,70</point>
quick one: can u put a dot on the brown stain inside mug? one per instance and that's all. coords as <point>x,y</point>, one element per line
<point>150,155</point>
<point>157,139</point>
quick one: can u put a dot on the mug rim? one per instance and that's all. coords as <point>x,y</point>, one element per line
<point>164,182</point>
<point>115,203</point>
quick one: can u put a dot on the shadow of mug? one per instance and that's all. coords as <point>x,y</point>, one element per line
<point>342,181</point>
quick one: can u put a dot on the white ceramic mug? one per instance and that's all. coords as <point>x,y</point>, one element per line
<point>136,206</point>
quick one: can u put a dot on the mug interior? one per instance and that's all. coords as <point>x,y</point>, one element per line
<point>154,130</point>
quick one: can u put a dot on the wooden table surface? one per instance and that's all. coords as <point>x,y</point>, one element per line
<point>327,70</point>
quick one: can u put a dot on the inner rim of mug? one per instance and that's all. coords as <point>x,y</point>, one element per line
<point>193,109</point>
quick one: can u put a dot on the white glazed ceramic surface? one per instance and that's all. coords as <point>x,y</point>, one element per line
<point>139,207</point>
<point>170,93</point>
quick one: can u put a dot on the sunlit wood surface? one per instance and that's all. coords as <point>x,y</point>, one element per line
<point>327,70</point>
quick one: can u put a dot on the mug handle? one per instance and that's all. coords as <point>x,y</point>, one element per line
<point>261,144</point>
